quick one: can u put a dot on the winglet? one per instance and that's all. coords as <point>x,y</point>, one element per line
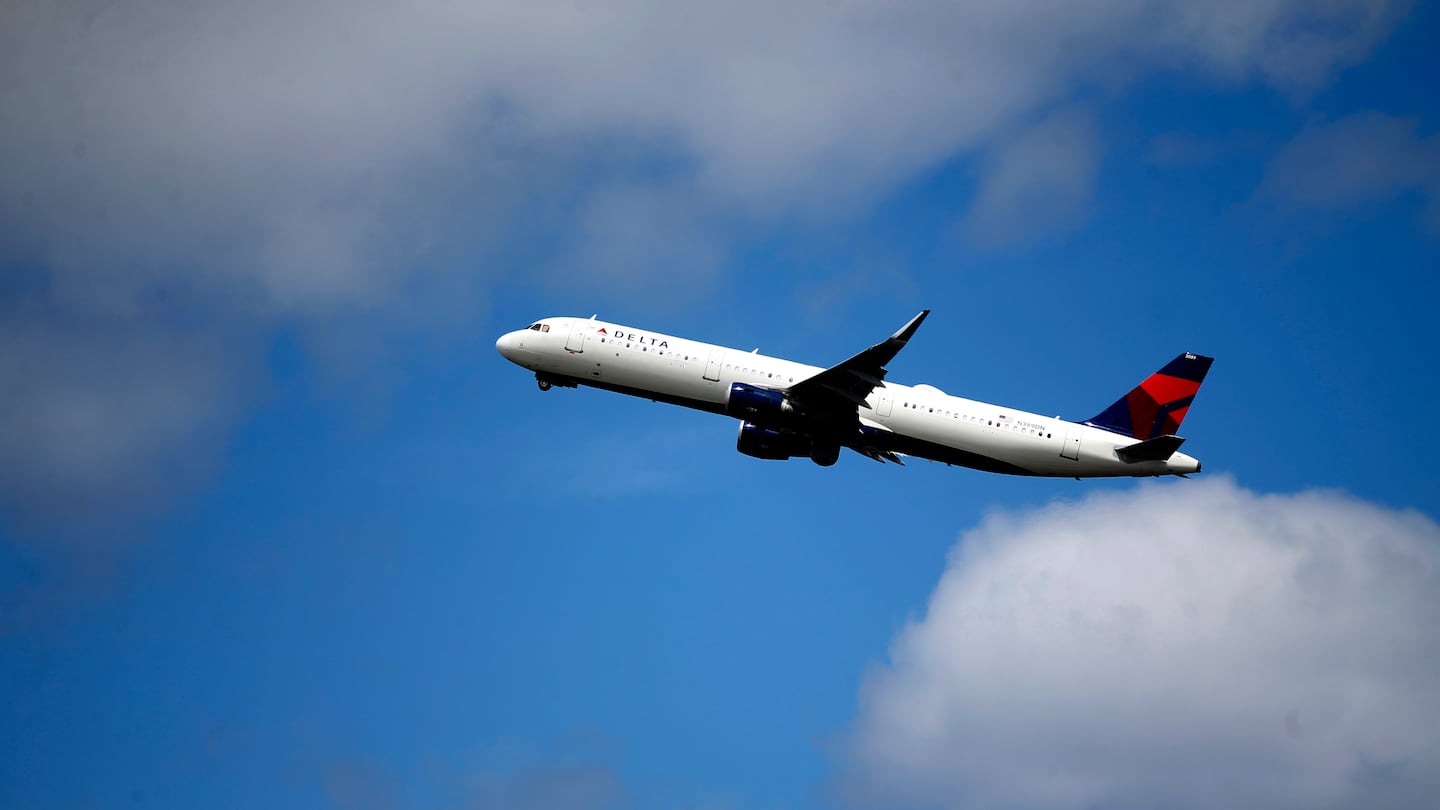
<point>908,330</point>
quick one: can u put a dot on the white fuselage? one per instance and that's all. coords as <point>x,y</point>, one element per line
<point>916,420</point>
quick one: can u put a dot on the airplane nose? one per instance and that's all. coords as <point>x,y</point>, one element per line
<point>506,345</point>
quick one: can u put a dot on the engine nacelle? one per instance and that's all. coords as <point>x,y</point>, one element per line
<point>771,444</point>
<point>759,405</point>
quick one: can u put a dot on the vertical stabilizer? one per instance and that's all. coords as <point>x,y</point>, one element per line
<point>1157,406</point>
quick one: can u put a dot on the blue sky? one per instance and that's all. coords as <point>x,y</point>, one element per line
<point>278,527</point>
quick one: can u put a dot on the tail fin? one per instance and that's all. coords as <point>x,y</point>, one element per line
<point>1157,406</point>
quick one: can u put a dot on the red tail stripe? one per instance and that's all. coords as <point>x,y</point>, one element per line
<point>1164,388</point>
<point>1142,413</point>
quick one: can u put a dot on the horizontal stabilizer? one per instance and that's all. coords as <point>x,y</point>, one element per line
<point>1159,448</point>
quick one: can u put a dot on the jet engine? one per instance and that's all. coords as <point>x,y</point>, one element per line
<point>759,405</point>
<point>771,444</point>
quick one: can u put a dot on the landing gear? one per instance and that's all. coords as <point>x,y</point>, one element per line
<point>546,382</point>
<point>825,454</point>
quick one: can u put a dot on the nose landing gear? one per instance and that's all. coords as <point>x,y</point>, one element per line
<point>546,382</point>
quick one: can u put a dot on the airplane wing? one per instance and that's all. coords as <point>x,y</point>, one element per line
<point>839,391</point>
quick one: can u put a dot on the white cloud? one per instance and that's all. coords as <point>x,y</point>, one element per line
<point>284,163</point>
<point>276,149</point>
<point>1037,182</point>
<point>93,424</point>
<point>650,239</point>
<point>1358,160</point>
<point>1185,645</point>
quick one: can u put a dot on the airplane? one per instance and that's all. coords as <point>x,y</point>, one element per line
<point>791,410</point>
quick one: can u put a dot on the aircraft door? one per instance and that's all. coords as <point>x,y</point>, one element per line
<point>712,368</point>
<point>1071,450</point>
<point>576,342</point>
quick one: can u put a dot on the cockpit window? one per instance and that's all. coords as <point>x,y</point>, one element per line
<point>544,327</point>
<point>534,327</point>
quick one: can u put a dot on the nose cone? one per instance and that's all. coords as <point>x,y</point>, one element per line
<point>507,345</point>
